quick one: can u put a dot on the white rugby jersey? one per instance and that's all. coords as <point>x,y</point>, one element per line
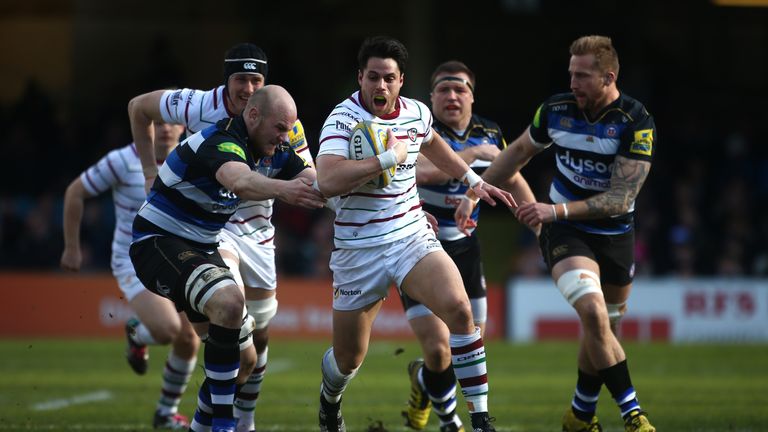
<point>198,109</point>
<point>368,216</point>
<point>119,170</point>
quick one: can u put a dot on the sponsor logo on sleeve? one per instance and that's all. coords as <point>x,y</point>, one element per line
<point>230,147</point>
<point>643,142</point>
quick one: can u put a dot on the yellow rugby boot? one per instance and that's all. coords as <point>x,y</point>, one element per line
<point>638,422</point>
<point>419,405</point>
<point>571,423</point>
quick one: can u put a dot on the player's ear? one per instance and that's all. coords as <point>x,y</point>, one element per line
<point>609,78</point>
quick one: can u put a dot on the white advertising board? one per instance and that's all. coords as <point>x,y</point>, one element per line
<point>672,309</point>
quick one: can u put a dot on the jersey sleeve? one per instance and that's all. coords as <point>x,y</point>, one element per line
<point>293,166</point>
<point>639,140</point>
<point>334,137</point>
<point>428,121</point>
<point>538,129</point>
<point>104,174</point>
<point>215,153</point>
<point>172,107</point>
<point>298,142</point>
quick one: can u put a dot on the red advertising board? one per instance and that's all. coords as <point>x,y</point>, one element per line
<point>64,305</point>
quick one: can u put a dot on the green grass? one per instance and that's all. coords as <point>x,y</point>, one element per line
<point>684,387</point>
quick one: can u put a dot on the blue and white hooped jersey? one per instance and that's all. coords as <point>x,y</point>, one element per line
<point>197,110</point>
<point>120,171</point>
<point>187,201</point>
<point>369,216</point>
<point>441,200</point>
<point>585,150</point>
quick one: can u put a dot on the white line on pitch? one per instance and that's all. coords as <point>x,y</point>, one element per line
<point>55,404</point>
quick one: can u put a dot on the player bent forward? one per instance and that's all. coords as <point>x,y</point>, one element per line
<point>197,190</point>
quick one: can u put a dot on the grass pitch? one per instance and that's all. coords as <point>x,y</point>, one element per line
<point>86,385</point>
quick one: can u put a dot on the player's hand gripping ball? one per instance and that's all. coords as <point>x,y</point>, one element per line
<point>369,139</point>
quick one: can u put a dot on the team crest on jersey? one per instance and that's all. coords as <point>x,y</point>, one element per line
<point>611,131</point>
<point>643,143</point>
<point>412,134</point>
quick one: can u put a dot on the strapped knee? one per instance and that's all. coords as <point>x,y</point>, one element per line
<point>577,283</point>
<point>203,282</point>
<point>615,313</point>
<point>262,311</point>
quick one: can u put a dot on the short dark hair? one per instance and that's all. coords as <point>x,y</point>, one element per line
<point>452,67</point>
<point>383,47</point>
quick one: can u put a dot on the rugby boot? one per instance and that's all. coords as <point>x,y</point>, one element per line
<point>571,423</point>
<point>224,425</point>
<point>136,354</point>
<point>419,405</point>
<point>170,421</point>
<point>330,416</point>
<point>638,422</point>
<point>481,422</point>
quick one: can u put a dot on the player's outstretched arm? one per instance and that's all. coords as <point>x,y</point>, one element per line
<point>143,111</point>
<point>427,173</point>
<point>238,178</point>
<point>74,199</point>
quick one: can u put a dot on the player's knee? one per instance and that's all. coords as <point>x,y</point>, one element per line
<point>208,280</point>
<point>188,338</point>
<point>262,311</point>
<point>575,284</point>
<point>479,310</point>
<point>615,313</point>
<point>167,332</point>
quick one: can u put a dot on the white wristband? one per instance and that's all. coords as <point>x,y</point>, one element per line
<point>565,211</point>
<point>471,178</point>
<point>388,159</point>
<point>554,213</point>
<point>472,200</point>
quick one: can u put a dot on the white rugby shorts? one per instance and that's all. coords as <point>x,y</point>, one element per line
<point>128,282</point>
<point>363,276</point>
<point>257,261</point>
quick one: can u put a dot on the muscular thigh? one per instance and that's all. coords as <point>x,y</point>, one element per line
<point>163,265</point>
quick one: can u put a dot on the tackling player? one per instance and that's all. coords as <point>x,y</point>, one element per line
<point>247,242</point>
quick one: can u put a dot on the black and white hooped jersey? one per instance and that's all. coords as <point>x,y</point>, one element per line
<point>441,200</point>
<point>585,150</point>
<point>199,109</point>
<point>187,201</point>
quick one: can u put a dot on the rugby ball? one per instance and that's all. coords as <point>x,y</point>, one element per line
<point>369,139</point>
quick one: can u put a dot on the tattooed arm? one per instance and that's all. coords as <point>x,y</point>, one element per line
<point>626,180</point>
